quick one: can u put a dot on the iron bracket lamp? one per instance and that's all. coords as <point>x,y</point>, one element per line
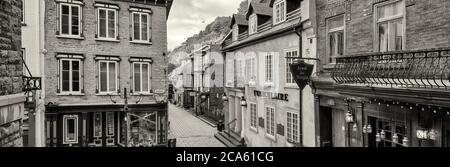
<point>243,102</point>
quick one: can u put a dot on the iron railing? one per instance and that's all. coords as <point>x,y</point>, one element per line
<point>411,69</point>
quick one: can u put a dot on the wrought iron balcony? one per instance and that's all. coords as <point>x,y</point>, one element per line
<point>403,69</point>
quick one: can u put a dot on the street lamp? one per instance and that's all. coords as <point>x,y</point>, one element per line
<point>349,117</point>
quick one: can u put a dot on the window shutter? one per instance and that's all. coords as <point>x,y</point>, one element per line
<point>280,129</point>
<point>261,122</point>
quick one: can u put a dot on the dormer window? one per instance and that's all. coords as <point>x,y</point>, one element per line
<point>279,11</point>
<point>235,32</point>
<point>253,24</point>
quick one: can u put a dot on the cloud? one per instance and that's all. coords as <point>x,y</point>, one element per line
<point>189,17</point>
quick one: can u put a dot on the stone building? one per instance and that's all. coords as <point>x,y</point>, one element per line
<point>384,73</point>
<point>265,107</point>
<point>106,77</point>
<point>12,98</point>
<point>208,82</point>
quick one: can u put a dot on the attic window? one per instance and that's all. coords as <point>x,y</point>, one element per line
<point>279,11</point>
<point>253,24</point>
<point>235,32</point>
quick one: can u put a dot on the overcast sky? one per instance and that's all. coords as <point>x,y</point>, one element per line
<point>189,17</point>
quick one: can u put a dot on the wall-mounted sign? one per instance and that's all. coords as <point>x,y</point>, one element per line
<point>277,96</point>
<point>301,72</point>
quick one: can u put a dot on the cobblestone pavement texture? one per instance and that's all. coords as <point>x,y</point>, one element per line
<point>189,130</point>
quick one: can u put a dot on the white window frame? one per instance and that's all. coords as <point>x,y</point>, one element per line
<point>253,22</point>
<point>335,31</point>
<point>253,120</point>
<point>107,77</point>
<point>107,10</point>
<point>290,127</point>
<point>80,16</point>
<point>387,20</point>
<point>289,61</point>
<point>65,130</point>
<point>269,80</point>
<point>250,70</point>
<point>140,27</point>
<point>235,32</point>
<point>70,76</point>
<point>279,16</point>
<point>269,122</point>
<point>149,77</point>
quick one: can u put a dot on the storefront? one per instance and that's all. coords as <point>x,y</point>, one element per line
<point>144,125</point>
<point>386,100</point>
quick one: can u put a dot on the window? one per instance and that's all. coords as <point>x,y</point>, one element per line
<point>70,19</point>
<point>253,23</point>
<point>390,26</point>
<point>230,73</point>
<point>141,27</point>
<point>292,127</point>
<point>289,61</point>
<point>279,11</point>
<point>250,71</point>
<point>270,121</point>
<point>70,75</point>
<point>235,32</point>
<point>70,126</point>
<point>110,124</point>
<point>268,70</point>
<point>335,35</point>
<point>98,125</point>
<point>108,76</point>
<point>141,77</point>
<point>240,73</point>
<point>107,23</point>
<point>253,116</point>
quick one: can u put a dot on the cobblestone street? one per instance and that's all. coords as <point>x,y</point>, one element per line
<point>189,130</point>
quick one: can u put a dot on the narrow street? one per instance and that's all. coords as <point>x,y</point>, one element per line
<point>189,130</point>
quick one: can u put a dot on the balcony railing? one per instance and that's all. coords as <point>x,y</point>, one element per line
<point>266,26</point>
<point>293,15</point>
<point>410,69</point>
<point>243,36</point>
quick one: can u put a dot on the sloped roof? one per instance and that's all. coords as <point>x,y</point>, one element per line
<point>239,20</point>
<point>273,1</point>
<point>259,9</point>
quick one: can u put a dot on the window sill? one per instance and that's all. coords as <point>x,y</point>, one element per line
<point>141,42</point>
<point>107,94</point>
<point>254,129</point>
<point>291,86</point>
<point>329,66</point>
<point>106,40</point>
<point>142,94</point>
<point>270,137</point>
<point>70,37</point>
<point>70,94</point>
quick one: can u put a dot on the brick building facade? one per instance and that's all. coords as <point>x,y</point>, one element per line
<point>103,58</point>
<point>265,107</point>
<point>11,70</point>
<point>384,73</point>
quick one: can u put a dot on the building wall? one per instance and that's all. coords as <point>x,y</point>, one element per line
<point>426,24</point>
<point>89,47</point>
<point>277,46</point>
<point>11,66</point>
<point>33,45</point>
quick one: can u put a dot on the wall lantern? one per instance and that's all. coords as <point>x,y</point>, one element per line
<point>405,142</point>
<point>203,96</point>
<point>369,129</point>
<point>365,129</point>
<point>432,134</point>
<point>378,137</point>
<point>383,135</point>
<point>349,117</point>
<point>395,138</point>
<point>243,102</point>
<point>422,134</point>
<point>224,97</point>
<point>355,128</point>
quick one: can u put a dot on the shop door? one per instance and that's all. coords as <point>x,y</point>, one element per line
<point>326,128</point>
<point>104,126</point>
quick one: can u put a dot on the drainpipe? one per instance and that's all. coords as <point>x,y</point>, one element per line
<point>300,51</point>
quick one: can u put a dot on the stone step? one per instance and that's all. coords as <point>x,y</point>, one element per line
<point>207,120</point>
<point>229,141</point>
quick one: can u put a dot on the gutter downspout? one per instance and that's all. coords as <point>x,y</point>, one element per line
<point>300,51</point>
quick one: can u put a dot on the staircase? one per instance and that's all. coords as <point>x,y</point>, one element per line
<point>230,139</point>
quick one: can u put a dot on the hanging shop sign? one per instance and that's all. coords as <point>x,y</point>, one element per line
<point>301,72</point>
<point>277,96</point>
